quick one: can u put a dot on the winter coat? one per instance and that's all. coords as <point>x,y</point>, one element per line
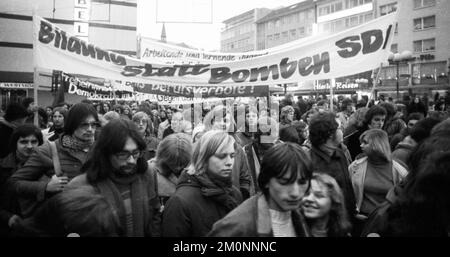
<point>358,171</point>
<point>30,181</point>
<point>337,167</point>
<point>240,175</point>
<point>252,219</point>
<point>151,209</point>
<point>189,213</point>
<point>351,140</point>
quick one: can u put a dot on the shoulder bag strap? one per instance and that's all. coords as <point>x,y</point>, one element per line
<point>55,158</point>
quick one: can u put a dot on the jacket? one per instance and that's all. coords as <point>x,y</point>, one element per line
<point>8,200</point>
<point>30,181</point>
<point>152,215</point>
<point>337,167</point>
<point>403,151</point>
<point>252,219</point>
<point>189,213</point>
<point>166,186</point>
<point>240,175</point>
<point>358,170</point>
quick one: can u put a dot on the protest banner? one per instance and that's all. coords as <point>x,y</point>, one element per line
<point>355,50</point>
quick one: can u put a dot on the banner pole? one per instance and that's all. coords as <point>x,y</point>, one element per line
<point>374,84</point>
<point>333,83</point>
<point>35,95</point>
<point>35,76</point>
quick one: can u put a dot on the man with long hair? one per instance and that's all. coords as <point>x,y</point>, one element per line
<point>118,170</point>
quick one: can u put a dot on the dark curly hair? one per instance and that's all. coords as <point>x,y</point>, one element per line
<point>322,126</point>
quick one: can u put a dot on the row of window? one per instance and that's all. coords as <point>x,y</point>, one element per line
<point>340,5</point>
<point>419,46</point>
<point>239,44</point>
<point>291,34</point>
<point>418,23</point>
<point>302,16</point>
<point>339,25</point>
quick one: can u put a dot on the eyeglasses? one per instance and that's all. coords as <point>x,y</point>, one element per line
<point>86,125</point>
<point>143,121</point>
<point>125,155</point>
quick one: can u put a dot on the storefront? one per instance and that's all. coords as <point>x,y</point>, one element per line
<point>14,92</point>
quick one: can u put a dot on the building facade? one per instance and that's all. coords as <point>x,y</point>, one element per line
<point>109,24</point>
<point>423,30</point>
<point>240,32</point>
<point>286,24</point>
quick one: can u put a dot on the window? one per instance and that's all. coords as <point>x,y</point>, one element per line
<point>269,38</point>
<point>394,48</point>
<point>423,3</point>
<point>293,33</point>
<point>368,17</point>
<point>301,31</point>
<point>284,34</point>
<point>277,23</point>
<point>386,9</point>
<point>424,45</point>
<point>276,36</point>
<point>331,8</point>
<point>324,10</point>
<point>425,23</point>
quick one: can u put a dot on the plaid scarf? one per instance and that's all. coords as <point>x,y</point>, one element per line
<point>75,143</point>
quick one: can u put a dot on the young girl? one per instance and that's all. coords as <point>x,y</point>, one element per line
<point>324,209</point>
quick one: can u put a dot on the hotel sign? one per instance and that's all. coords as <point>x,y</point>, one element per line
<point>16,85</point>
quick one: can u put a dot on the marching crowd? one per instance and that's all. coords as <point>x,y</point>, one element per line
<point>297,170</point>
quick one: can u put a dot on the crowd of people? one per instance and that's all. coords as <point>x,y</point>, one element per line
<point>289,169</point>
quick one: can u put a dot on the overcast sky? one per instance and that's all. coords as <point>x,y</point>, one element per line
<point>189,13</point>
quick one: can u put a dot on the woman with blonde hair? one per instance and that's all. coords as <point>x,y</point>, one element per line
<point>374,174</point>
<point>324,208</point>
<point>142,121</point>
<point>222,118</point>
<point>205,192</point>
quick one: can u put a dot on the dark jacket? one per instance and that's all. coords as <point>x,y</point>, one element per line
<point>189,213</point>
<point>336,166</point>
<point>252,219</point>
<point>8,203</point>
<point>241,176</point>
<point>30,181</point>
<point>151,209</point>
<point>419,107</point>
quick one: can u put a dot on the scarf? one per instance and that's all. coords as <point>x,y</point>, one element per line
<point>75,143</point>
<point>220,191</point>
<point>139,200</point>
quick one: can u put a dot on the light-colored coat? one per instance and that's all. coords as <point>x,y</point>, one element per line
<point>358,170</point>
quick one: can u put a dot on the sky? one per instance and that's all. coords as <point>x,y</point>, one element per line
<point>195,22</point>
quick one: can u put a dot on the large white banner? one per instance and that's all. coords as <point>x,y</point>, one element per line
<point>349,52</point>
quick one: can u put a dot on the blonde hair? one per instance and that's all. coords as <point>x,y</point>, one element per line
<point>210,143</point>
<point>378,143</point>
<point>338,224</point>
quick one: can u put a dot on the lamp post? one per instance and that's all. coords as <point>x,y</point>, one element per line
<point>397,59</point>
